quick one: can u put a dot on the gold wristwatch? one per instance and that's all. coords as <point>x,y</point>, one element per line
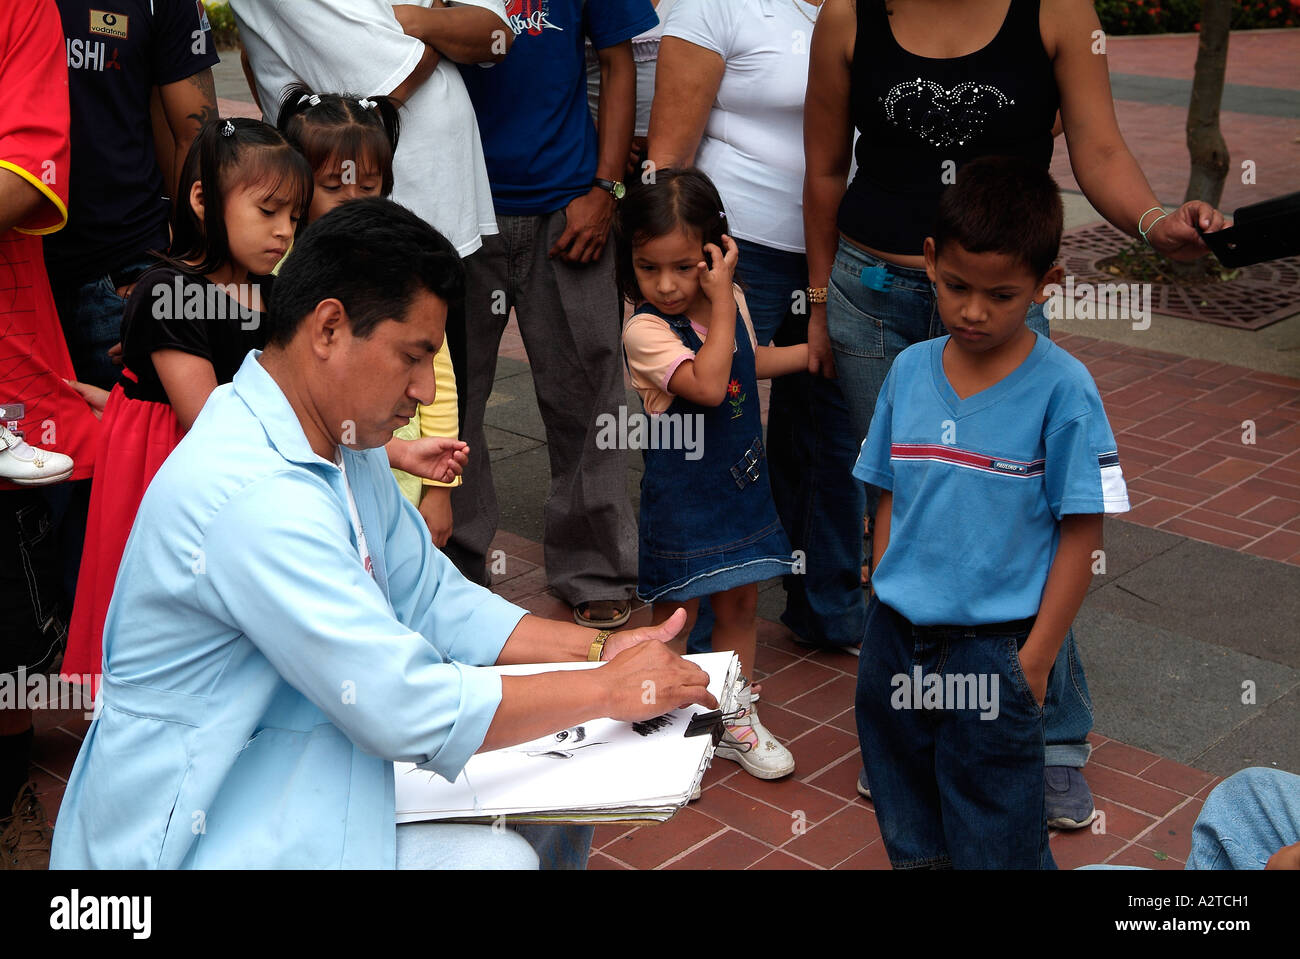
<point>598,645</point>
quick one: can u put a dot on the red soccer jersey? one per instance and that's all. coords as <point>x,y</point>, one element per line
<point>34,358</point>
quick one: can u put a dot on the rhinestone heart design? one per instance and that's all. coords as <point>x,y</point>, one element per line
<point>940,116</point>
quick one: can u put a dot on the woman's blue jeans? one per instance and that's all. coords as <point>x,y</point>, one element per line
<point>810,454</point>
<point>874,311</point>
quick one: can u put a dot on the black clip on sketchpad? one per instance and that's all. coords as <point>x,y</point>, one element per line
<point>1259,232</point>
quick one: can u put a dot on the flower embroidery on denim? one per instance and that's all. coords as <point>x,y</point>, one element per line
<point>736,399</point>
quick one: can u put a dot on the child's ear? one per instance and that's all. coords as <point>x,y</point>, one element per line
<point>196,199</point>
<point>1050,284</point>
<point>930,259</point>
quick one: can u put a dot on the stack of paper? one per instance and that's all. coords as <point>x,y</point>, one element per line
<point>599,771</point>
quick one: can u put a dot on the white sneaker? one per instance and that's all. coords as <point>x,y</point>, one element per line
<point>29,465</point>
<point>748,742</point>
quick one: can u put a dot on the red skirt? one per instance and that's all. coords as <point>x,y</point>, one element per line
<point>136,436</point>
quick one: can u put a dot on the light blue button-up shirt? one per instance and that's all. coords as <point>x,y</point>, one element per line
<point>258,682</point>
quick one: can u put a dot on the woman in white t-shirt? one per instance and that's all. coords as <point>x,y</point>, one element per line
<point>729,93</point>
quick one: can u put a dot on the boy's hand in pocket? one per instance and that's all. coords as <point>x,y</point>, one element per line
<point>1036,674</point>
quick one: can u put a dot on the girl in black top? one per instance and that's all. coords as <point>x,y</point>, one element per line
<point>187,327</point>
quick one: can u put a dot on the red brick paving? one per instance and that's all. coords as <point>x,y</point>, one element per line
<point>1155,133</point>
<point>1179,426</point>
<point>1155,137</point>
<point>1261,58</point>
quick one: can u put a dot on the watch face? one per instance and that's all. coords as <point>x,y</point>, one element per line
<point>619,190</point>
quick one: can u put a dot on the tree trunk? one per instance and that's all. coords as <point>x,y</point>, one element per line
<point>1205,142</point>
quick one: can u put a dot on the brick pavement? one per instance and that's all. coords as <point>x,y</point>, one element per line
<point>1155,133</point>
<point>1182,443</point>
<point>1262,58</point>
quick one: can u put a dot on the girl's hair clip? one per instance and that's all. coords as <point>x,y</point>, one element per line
<point>228,130</point>
<point>311,98</point>
<point>366,104</point>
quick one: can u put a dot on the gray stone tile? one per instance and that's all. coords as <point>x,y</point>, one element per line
<point>228,77</point>
<point>503,444</point>
<point>1215,595</point>
<point>1271,738</point>
<point>522,483</point>
<point>1177,92</point>
<point>1127,546</point>
<point>1168,693</point>
<point>513,403</point>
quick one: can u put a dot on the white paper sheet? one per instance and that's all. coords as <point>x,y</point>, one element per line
<point>601,770</point>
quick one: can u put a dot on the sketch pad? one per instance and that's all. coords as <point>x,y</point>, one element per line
<point>602,771</point>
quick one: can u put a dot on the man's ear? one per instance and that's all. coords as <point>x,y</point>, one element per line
<point>1050,284</point>
<point>930,259</point>
<point>325,325</point>
<point>196,199</point>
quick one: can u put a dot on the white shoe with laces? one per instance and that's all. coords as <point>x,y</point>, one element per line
<point>30,465</point>
<point>748,742</point>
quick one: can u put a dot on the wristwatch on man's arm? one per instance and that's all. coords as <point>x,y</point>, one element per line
<point>613,187</point>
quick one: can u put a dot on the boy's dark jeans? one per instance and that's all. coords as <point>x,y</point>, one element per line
<point>952,789</point>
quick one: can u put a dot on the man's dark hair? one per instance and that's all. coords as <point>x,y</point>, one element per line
<point>1003,205</point>
<point>371,255</point>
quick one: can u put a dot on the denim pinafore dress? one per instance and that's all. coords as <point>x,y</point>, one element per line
<point>709,524</point>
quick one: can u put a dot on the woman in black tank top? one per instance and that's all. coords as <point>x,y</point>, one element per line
<point>935,101</point>
<point>969,78</point>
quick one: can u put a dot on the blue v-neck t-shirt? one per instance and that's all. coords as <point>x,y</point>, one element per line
<point>980,485</point>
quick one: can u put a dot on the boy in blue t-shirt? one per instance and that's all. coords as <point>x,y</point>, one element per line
<point>996,461</point>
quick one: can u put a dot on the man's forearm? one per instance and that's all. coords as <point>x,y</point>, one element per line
<point>19,200</point>
<point>616,110</point>
<point>533,706</point>
<point>464,34</point>
<point>539,640</point>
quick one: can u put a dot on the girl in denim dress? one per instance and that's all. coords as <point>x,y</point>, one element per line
<point>708,525</point>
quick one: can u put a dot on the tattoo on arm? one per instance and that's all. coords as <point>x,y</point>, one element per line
<point>207,88</point>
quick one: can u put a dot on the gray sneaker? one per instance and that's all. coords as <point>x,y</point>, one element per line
<point>1069,800</point>
<point>25,834</point>
<point>864,790</point>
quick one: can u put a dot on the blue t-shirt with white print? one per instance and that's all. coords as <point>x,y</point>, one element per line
<point>538,137</point>
<point>980,485</point>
